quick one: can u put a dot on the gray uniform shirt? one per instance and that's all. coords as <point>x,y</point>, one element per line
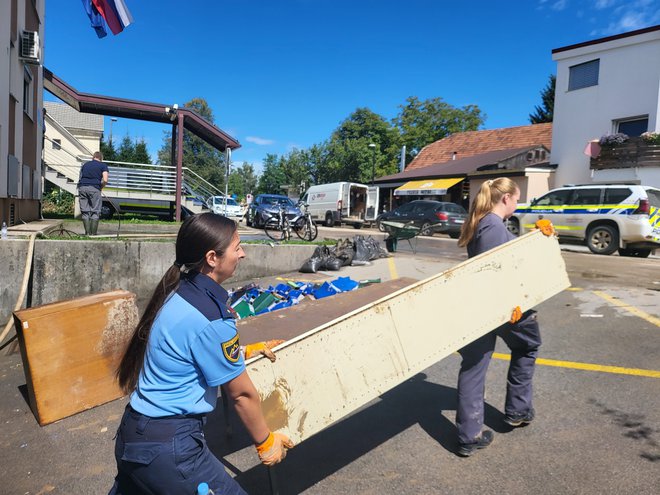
<point>491,232</point>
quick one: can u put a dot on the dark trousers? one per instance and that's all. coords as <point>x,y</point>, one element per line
<point>90,202</point>
<point>163,456</point>
<point>524,340</point>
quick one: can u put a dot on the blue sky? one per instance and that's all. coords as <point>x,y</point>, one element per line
<point>284,74</point>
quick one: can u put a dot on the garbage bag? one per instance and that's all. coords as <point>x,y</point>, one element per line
<point>315,262</point>
<point>332,263</point>
<point>367,249</point>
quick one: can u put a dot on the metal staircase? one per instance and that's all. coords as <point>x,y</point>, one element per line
<point>131,186</point>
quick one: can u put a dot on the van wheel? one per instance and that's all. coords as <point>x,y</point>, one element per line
<point>329,221</point>
<point>357,225</point>
<point>603,239</point>
<point>634,253</point>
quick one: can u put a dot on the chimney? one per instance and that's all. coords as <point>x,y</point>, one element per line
<point>453,156</point>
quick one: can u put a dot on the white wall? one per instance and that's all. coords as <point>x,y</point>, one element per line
<point>628,86</point>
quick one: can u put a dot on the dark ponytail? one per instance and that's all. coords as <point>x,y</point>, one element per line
<point>198,235</point>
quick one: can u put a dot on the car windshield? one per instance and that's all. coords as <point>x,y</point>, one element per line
<point>269,200</point>
<point>218,200</point>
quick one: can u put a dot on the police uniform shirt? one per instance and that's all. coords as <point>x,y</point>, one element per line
<point>193,347</point>
<point>491,232</point>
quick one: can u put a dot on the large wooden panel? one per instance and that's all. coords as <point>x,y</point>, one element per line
<point>70,351</point>
<point>330,371</point>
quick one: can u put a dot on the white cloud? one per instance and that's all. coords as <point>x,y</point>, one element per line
<point>636,15</point>
<point>259,141</point>
<point>559,5</point>
<point>603,4</point>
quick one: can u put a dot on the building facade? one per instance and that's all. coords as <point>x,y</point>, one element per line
<point>21,116</point>
<point>606,86</point>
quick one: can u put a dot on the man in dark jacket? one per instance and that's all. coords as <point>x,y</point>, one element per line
<point>93,177</point>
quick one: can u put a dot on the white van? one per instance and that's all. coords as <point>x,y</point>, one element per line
<point>342,202</point>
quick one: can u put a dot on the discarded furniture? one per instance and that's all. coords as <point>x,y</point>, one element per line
<point>328,369</point>
<point>71,349</point>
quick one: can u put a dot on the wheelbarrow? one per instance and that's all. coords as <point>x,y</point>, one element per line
<point>400,231</point>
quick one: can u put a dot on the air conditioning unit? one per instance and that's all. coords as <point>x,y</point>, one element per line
<point>30,47</point>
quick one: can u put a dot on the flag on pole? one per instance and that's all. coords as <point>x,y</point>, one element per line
<point>115,13</point>
<point>98,23</point>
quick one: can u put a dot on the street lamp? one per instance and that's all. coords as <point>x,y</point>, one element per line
<point>373,162</point>
<point>112,119</point>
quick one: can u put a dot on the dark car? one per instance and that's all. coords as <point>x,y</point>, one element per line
<point>266,205</point>
<point>429,216</point>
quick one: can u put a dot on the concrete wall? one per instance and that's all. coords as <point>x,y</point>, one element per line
<point>627,87</point>
<point>68,269</point>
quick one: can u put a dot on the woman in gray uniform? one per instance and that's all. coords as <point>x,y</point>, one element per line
<point>485,229</point>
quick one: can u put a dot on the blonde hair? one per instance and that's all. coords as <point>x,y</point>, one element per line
<point>489,195</point>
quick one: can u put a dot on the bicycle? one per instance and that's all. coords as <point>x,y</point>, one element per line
<point>278,227</point>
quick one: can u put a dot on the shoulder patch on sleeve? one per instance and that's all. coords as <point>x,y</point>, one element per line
<point>231,349</point>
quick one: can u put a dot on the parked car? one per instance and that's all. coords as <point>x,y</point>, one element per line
<point>217,205</point>
<point>606,217</point>
<point>429,216</point>
<point>266,205</point>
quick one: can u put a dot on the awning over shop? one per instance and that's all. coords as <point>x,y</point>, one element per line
<point>426,187</point>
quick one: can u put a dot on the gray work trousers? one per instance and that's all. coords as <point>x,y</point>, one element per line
<point>524,340</point>
<point>90,202</point>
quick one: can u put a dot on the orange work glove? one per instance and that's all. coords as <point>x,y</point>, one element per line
<point>546,227</point>
<point>273,449</point>
<point>516,315</point>
<point>264,348</point>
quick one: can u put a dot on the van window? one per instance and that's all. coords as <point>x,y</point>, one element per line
<point>586,197</point>
<point>554,198</point>
<point>616,195</point>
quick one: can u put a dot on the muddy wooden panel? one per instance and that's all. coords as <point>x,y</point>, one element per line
<point>330,371</point>
<point>70,350</point>
<point>291,322</point>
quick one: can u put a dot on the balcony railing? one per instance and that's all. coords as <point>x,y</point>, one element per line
<point>633,153</point>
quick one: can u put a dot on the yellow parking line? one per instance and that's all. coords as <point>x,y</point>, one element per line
<point>631,309</point>
<point>587,366</point>
<point>393,273</point>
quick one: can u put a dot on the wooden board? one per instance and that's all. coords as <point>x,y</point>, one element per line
<point>330,371</point>
<point>70,351</point>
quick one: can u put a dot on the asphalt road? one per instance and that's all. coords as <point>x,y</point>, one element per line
<point>597,397</point>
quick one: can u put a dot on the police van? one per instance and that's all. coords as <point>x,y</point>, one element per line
<point>606,217</point>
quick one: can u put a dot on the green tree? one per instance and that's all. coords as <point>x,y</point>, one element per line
<point>349,157</point>
<point>273,176</point>
<point>243,180</point>
<point>199,156</point>
<point>140,153</point>
<point>423,122</point>
<point>545,112</point>
<point>108,150</point>
<point>126,152</point>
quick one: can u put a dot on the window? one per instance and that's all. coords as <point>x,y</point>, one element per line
<point>57,144</point>
<point>633,127</point>
<point>586,197</point>
<point>27,92</point>
<point>554,198</point>
<point>615,195</point>
<point>583,75</point>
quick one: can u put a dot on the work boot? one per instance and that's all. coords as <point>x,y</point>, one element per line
<point>85,222</point>
<point>93,226</point>
<point>519,419</point>
<point>484,440</point>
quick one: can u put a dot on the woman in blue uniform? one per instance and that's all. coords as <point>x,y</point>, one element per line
<point>485,229</point>
<point>184,347</point>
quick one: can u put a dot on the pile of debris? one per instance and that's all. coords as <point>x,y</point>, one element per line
<point>252,300</point>
<point>359,251</point>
